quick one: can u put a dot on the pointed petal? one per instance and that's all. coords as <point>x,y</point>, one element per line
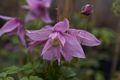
<point>62,26</point>
<point>62,39</point>
<point>72,48</point>
<point>9,26</point>
<point>45,16</point>
<point>88,39</point>
<point>21,34</point>
<point>30,16</point>
<point>47,3</point>
<point>49,52</point>
<point>33,44</point>
<point>39,35</point>
<point>32,2</point>
<point>6,17</point>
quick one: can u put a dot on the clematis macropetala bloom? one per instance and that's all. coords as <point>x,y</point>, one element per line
<point>13,25</point>
<point>61,41</point>
<point>38,9</point>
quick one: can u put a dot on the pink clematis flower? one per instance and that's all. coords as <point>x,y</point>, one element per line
<point>87,9</point>
<point>62,41</point>
<point>38,9</point>
<point>13,25</point>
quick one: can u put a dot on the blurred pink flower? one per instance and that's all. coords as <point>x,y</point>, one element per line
<point>38,9</point>
<point>13,25</point>
<point>62,41</point>
<point>87,9</point>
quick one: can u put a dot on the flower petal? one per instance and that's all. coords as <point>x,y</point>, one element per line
<point>88,39</point>
<point>49,52</point>
<point>32,2</point>
<point>21,33</point>
<point>72,48</point>
<point>9,26</point>
<point>47,3</point>
<point>45,16</point>
<point>6,17</point>
<point>39,35</point>
<point>30,16</point>
<point>62,26</point>
<point>62,39</point>
<point>33,44</point>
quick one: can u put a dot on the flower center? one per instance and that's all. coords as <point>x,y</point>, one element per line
<point>55,42</point>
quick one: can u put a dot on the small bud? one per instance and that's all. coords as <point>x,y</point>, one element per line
<point>87,9</point>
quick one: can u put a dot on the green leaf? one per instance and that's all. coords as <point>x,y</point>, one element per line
<point>12,70</point>
<point>3,74</point>
<point>68,72</point>
<point>27,69</point>
<point>9,78</point>
<point>24,78</point>
<point>99,76</point>
<point>35,78</point>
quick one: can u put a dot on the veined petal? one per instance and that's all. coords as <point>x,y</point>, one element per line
<point>62,26</point>
<point>88,39</point>
<point>39,35</point>
<point>9,26</point>
<point>72,48</point>
<point>49,52</point>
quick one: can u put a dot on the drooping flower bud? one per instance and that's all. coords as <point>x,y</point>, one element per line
<point>87,9</point>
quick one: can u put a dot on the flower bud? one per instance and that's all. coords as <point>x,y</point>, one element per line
<point>87,9</point>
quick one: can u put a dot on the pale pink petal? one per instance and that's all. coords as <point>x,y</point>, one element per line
<point>33,44</point>
<point>62,39</point>
<point>62,26</point>
<point>32,2</point>
<point>45,16</point>
<point>6,17</point>
<point>39,35</point>
<point>21,34</point>
<point>47,3</point>
<point>9,26</point>
<point>59,36</point>
<point>30,16</point>
<point>53,35</point>
<point>72,48</point>
<point>88,39</point>
<point>50,53</point>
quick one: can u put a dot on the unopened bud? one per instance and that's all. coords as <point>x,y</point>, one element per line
<point>87,9</point>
